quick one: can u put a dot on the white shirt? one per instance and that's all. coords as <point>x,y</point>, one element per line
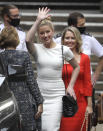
<point>22,37</point>
<point>90,45</point>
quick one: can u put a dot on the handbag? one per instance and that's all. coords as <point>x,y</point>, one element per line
<point>14,72</point>
<point>70,106</point>
<point>91,120</point>
<point>99,105</point>
<point>17,71</point>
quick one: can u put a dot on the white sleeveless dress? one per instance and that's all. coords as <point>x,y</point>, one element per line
<point>49,77</point>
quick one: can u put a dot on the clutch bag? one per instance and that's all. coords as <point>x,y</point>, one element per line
<point>70,106</point>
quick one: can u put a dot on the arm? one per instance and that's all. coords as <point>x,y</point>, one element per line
<point>97,50</point>
<point>87,84</point>
<point>33,86</point>
<point>98,70</point>
<point>74,76</point>
<point>89,109</point>
<point>42,14</point>
<point>31,81</point>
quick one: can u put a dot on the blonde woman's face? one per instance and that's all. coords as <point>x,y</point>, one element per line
<point>70,40</point>
<point>45,34</point>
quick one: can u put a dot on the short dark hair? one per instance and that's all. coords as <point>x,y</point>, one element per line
<point>6,9</point>
<point>72,19</point>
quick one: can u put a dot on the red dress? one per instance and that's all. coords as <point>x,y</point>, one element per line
<point>83,88</point>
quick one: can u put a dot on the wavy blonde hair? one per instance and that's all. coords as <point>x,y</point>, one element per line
<point>47,22</point>
<point>9,37</point>
<point>77,36</point>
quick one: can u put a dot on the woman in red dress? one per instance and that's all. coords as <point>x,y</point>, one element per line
<point>83,87</point>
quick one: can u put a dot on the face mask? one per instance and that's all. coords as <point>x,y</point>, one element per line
<point>14,22</point>
<point>81,29</point>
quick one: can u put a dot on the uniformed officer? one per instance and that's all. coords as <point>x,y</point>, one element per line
<point>11,16</point>
<point>90,44</point>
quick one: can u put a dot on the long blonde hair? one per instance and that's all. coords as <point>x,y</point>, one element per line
<point>77,35</point>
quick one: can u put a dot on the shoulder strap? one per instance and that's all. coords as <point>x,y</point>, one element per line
<point>62,55</point>
<point>65,71</point>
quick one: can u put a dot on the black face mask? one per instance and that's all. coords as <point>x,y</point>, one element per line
<point>14,22</point>
<point>81,29</point>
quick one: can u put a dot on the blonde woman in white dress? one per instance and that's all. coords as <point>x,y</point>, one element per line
<point>48,57</point>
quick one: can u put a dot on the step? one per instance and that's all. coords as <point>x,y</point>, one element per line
<point>88,1</point>
<point>56,5</point>
<point>59,26</point>
<point>60,20</point>
<point>94,65</point>
<point>99,86</point>
<point>62,16</point>
<point>94,58</point>
<point>101,77</point>
<point>98,36</point>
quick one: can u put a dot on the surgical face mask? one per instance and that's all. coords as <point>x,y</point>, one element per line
<point>14,22</point>
<point>82,29</point>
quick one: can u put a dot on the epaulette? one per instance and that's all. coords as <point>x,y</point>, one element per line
<point>58,35</point>
<point>19,28</point>
<point>86,33</point>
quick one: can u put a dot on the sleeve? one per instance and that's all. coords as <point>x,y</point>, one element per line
<point>22,38</point>
<point>67,53</point>
<point>96,47</point>
<point>87,77</point>
<point>57,40</point>
<point>24,48</point>
<point>32,83</point>
<point>34,53</point>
